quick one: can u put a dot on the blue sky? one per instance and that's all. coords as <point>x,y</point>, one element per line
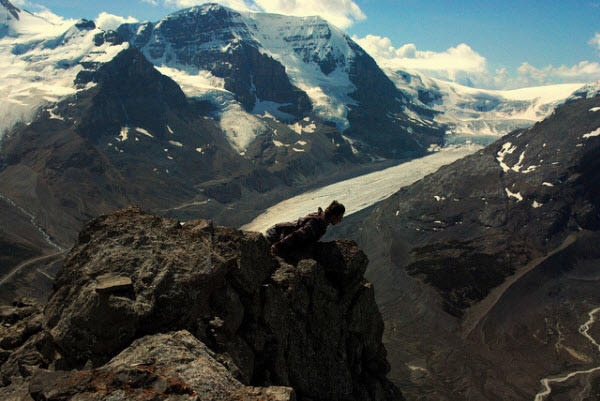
<point>492,44</point>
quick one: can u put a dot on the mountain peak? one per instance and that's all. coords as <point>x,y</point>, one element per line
<point>11,9</point>
<point>205,9</point>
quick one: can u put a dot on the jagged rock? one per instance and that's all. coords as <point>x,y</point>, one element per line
<point>239,322</point>
<point>20,325</point>
<point>171,366</point>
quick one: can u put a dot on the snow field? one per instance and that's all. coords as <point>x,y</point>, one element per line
<point>39,61</point>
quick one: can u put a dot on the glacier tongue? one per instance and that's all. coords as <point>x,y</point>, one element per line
<point>360,192</point>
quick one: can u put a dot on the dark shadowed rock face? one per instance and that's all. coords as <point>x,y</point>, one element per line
<point>485,270</point>
<point>206,307</point>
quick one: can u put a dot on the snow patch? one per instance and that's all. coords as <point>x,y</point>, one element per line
<point>507,148</point>
<point>199,150</point>
<point>547,184</point>
<point>193,84</point>
<point>175,143</point>
<point>144,132</point>
<point>297,150</point>
<point>536,205</point>
<point>299,128</point>
<point>351,142</point>
<point>439,198</point>
<point>241,128</point>
<point>593,133</point>
<point>123,134</point>
<point>301,143</point>
<point>55,116</point>
<point>268,109</point>
<point>170,130</point>
<point>310,128</point>
<point>594,109</point>
<point>517,195</point>
<point>278,143</point>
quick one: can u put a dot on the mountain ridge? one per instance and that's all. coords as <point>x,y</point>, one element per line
<point>487,254</point>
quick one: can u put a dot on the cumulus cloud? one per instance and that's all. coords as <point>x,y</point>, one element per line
<point>151,2</point>
<point>464,65</point>
<point>461,63</point>
<point>584,71</point>
<point>108,21</point>
<point>341,13</point>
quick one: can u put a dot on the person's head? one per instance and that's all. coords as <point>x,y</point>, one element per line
<point>334,212</point>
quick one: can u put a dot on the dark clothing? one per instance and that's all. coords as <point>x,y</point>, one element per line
<point>298,234</point>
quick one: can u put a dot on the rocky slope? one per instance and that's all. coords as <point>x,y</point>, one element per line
<point>485,270</point>
<point>147,308</point>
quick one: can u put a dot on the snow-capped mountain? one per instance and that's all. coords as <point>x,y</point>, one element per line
<point>15,22</point>
<point>287,67</point>
<point>39,61</point>
<point>481,115</point>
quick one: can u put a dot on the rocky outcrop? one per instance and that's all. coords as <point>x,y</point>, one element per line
<point>147,306</point>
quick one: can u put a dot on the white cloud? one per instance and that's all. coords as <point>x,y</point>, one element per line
<point>584,71</point>
<point>44,12</point>
<point>460,63</point>
<point>595,41</point>
<point>464,65</point>
<point>341,13</point>
<point>151,2</point>
<point>108,21</point>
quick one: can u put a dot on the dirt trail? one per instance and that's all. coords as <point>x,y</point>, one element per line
<point>27,263</point>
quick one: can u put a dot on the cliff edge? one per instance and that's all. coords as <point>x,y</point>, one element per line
<point>147,308</point>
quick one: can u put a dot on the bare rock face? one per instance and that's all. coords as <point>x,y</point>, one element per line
<point>171,366</point>
<point>143,302</point>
